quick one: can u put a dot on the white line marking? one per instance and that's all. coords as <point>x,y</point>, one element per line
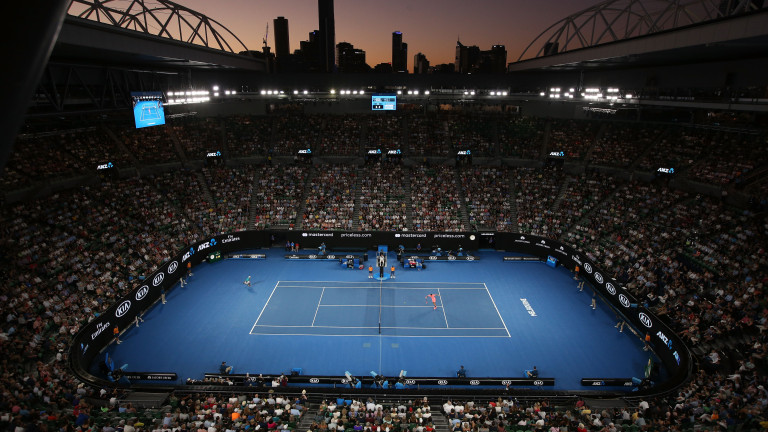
<point>362,327</point>
<point>265,305</point>
<point>374,335</point>
<point>389,306</point>
<point>497,310</point>
<point>442,306</point>
<point>318,306</point>
<point>397,283</point>
<point>369,287</point>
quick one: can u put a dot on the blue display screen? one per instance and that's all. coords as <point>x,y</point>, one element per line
<point>148,109</point>
<point>384,102</point>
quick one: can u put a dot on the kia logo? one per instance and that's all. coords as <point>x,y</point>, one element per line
<point>645,319</point>
<point>172,268</point>
<point>506,382</point>
<point>624,300</point>
<point>313,257</point>
<point>142,292</point>
<point>470,258</point>
<point>538,383</point>
<point>433,257</point>
<point>611,289</point>
<point>588,268</point>
<point>123,308</point>
<point>158,279</point>
<point>474,382</point>
<point>599,278</point>
<point>451,258</point>
<point>410,382</point>
<point>442,382</point>
<point>314,380</point>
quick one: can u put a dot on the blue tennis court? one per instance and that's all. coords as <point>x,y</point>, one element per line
<point>496,318</point>
<point>402,309</point>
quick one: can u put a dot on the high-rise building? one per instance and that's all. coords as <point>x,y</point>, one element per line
<point>282,48</point>
<point>350,59</point>
<point>309,52</point>
<point>420,64</point>
<point>493,60</point>
<point>467,57</point>
<point>399,53</point>
<point>327,35</point>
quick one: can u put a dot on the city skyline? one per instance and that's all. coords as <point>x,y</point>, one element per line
<point>369,25</point>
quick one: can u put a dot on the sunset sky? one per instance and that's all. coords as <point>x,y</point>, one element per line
<point>430,27</point>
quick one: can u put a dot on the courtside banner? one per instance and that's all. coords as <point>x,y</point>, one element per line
<point>368,381</point>
<point>370,239</point>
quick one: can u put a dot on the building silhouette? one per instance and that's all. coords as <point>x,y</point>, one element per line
<point>350,59</point>
<point>420,64</point>
<point>327,35</point>
<point>282,47</point>
<point>467,58</point>
<point>399,53</point>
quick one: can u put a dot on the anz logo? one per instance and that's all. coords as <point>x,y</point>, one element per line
<point>645,319</point>
<point>188,254</point>
<point>172,267</point>
<point>158,279</point>
<point>142,292</point>
<point>123,308</point>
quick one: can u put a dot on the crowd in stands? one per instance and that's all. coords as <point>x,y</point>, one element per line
<point>425,137</point>
<point>621,144</point>
<point>231,190</point>
<point>475,133</point>
<point>486,191</point>
<point>384,132</point>
<point>323,134</point>
<point>382,197</point>
<point>435,199</point>
<point>521,137</point>
<point>198,136</point>
<point>248,135</point>
<point>330,198</point>
<point>574,138</point>
<point>278,194</point>
<point>697,262</point>
<point>535,193</point>
<point>149,145</point>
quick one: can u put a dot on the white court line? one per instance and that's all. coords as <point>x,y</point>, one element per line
<point>442,306</point>
<point>265,306</point>
<point>412,283</point>
<point>318,306</point>
<point>384,306</point>
<point>497,310</point>
<point>374,335</point>
<point>363,327</point>
<point>330,286</point>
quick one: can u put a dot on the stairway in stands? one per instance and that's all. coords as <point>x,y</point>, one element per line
<point>299,222</point>
<point>358,196</point>
<point>463,211</point>
<point>254,200</point>
<point>408,205</point>
<point>562,193</point>
<point>439,420</point>
<point>514,227</point>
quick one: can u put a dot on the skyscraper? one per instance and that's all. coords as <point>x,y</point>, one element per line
<point>350,58</point>
<point>282,48</point>
<point>399,53</point>
<point>327,35</point>
<point>420,64</point>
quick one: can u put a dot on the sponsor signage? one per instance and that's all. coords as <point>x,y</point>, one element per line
<point>557,154</point>
<point>305,151</point>
<point>215,154</point>
<point>394,152</point>
<point>107,165</point>
<point>449,258</point>
<point>123,309</point>
<point>142,292</point>
<point>248,256</point>
<point>374,152</point>
<point>464,153</point>
<point>513,258</point>
<point>321,257</point>
<point>614,382</point>
<point>367,381</point>
<point>150,376</point>
<point>666,170</point>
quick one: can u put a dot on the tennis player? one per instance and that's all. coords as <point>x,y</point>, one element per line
<point>248,281</point>
<point>434,300</point>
